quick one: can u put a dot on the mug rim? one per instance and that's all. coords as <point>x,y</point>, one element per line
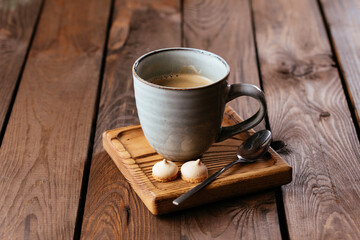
<point>136,63</point>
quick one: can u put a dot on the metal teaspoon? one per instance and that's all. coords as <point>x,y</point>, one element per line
<point>253,148</point>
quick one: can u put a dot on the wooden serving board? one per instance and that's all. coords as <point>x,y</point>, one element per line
<point>135,158</point>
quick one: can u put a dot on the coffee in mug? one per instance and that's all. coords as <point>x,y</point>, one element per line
<point>180,96</point>
<point>181,80</point>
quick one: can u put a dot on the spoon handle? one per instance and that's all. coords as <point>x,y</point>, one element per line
<point>194,190</point>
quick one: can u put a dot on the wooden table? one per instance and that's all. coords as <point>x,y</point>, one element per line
<point>65,77</point>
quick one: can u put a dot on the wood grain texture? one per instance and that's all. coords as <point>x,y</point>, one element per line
<point>224,27</point>
<point>46,142</point>
<point>245,217</point>
<point>308,111</point>
<point>17,22</point>
<point>135,158</point>
<point>112,210</point>
<point>343,18</point>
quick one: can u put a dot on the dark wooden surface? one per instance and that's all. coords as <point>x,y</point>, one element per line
<point>343,20</point>
<point>17,23</point>
<point>308,110</point>
<point>46,142</point>
<point>65,77</point>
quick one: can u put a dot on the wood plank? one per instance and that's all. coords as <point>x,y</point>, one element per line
<point>46,142</point>
<point>113,210</point>
<point>17,22</point>
<point>308,111</point>
<point>224,27</point>
<point>343,18</point>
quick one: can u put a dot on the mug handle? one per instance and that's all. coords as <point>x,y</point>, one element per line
<point>243,89</point>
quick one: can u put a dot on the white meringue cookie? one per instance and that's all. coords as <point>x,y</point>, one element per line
<point>165,170</point>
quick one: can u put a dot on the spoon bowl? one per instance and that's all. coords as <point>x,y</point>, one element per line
<point>255,146</point>
<point>249,151</point>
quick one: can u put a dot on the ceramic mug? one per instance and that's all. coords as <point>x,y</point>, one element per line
<point>182,123</point>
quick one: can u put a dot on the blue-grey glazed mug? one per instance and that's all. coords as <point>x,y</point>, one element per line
<point>182,123</point>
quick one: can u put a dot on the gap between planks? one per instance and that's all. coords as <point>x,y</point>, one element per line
<point>87,165</point>
<point>337,60</point>
<point>21,71</point>
<point>278,191</point>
